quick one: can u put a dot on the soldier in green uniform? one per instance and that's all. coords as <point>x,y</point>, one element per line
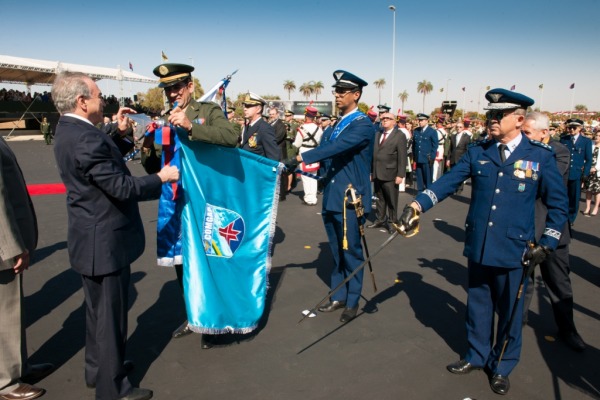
<point>291,126</point>
<point>46,131</point>
<point>231,118</point>
<point>204,121</point>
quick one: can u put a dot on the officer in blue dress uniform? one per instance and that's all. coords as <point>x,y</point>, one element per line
<point>345,158</point>
<point>507,171</point>
<point>581,163</point>
<point>425,144</point>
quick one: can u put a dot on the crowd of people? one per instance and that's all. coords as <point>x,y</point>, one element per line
<point>46,97</point>
<point>509,159</point>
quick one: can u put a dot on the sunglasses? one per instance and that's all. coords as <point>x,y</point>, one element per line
<point>387,119</point>
<point>497,115</point>
<point>341,91</point>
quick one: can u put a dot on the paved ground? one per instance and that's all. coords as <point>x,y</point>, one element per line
<point>397,348</point>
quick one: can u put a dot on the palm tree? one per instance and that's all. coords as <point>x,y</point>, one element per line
<point>317,87</point>
<point>403,97</point>
<point>424,87</point>
<point>379,84</point>
<point>289,86</point>
<point>306,89</point>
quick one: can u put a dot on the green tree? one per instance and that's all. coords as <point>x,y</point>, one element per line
<point>379,84</point>
<point>424,87</point>
<point>317,88</point>
<point>581,107</point>
<point>403,97</point>
<point>153,99</point>
<point>198,90</point>
<point>289,86</point>
<point>363,107</point>
<point>306,89</point>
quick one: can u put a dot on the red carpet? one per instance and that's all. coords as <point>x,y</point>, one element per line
<point>46,188</point>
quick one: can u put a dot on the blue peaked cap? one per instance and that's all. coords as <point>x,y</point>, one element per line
<point>345,79</point>
<point>503,99</point>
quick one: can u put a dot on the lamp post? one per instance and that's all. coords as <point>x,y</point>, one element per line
<point>393,9</point>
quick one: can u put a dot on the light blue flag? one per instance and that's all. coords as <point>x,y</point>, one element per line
<point>228,224</point>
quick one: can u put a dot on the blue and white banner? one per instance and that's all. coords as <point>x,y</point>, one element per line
<point>228,224</point>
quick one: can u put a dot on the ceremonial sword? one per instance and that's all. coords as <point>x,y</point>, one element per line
<point>528,268</point>
<point>399,231</point>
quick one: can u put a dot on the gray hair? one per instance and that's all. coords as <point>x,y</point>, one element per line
<point>541,121</point>
<point>67,87</point>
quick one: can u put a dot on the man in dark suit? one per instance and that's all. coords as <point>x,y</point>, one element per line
<point>580,148</point>
<point>389,170</point>
<point>508,173</point>
<point>555,268</point>
<point>345,158</point>
<point>425,144</point>
<point>17,243</point>
<point>281,139</point>
<point>105,232</point>
<point>258,136</point>
<point>459,143</point>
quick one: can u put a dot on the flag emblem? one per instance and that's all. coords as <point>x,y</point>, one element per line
<point>223,231</point>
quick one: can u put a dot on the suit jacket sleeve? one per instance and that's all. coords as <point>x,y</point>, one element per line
<point>280,132</point>
<point>99,165</point>
<point>402,156</point>
<point>588,158</point>
<point>14,218</point>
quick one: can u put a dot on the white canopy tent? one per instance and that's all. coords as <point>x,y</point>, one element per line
<point>29,71</point>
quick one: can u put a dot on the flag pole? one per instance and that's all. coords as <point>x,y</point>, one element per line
<point>572,101</point>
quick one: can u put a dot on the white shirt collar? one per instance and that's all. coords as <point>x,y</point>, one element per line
<point>78,117</point>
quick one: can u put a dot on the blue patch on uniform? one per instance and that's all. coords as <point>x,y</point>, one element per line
<point>223,231</point>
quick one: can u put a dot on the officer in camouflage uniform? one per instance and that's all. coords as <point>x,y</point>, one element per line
<point>203,121</point>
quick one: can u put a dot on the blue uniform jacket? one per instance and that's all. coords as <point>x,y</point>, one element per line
<point>346,160</point>
<point>501,214</point>
<point>581,155</point>
<point>425,144</point>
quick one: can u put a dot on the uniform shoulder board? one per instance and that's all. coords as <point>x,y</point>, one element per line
<point>479,143</point>
<point>540,144</point>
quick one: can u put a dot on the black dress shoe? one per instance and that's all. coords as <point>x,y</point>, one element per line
<point>207,341</point>
<point>182,331</point>
<point>138,394</point>
<point>332,306</point>
<point>499,384</point>
<point>23,392</point>
<point>375,225</point>
<point>573,340</point>
<point>461,367</point>
<point>349,314</point>
<point>36,372</point>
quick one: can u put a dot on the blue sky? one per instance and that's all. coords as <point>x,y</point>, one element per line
<point>452,44</point>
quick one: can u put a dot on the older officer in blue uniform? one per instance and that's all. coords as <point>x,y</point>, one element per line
<point>345,158</point>
<point>508,171</point>
<point>581,163</point>
<point>425,144</point>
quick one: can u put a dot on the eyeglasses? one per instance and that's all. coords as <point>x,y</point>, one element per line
<point>572,127</point>
<point>341,92</point>
<point>387,119</point>
<point>99,97</point>
<point>497,115</point>
<point>249,105</point>
<point>175,88</point>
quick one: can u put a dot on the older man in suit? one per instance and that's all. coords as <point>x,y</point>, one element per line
<point>18,239</point>
<point>389,170</point>
<point>459,143</point>
<point>580,148</point>
<point>555,268</point>
<point>105,233</point>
